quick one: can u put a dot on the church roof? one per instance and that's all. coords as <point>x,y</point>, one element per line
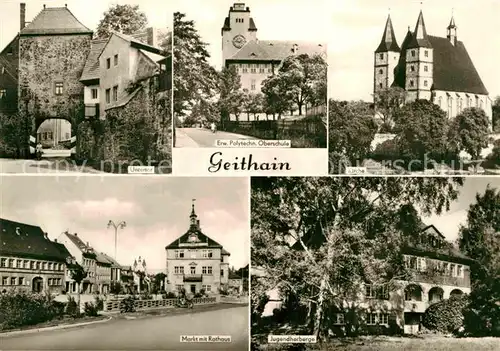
<point>453,69</point>
<point>388,42</point>
<point>55,20</point>
<point>26,240</point>
<point>91,69</point>
<point>277,50</point>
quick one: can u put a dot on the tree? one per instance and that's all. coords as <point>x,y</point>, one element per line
<point>277,96</point>
<point>469,131</point>
<point>352,129</point>
<point>231,97</point>
<point>255,104</point>
<point>318,237</point>
<point>14,134</point>
<point>480,239</point>
<point>496,114</point>
<point>194,79</point>
<point>78,274</point>
<point>301,80</point>
<point>388,102</point>
<point>126,19</point>
<point>421,128</point>
<point>159,282</point>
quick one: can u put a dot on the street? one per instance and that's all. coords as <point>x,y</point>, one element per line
<point>46,165</point>
<point>199,137</point>
<point>144,333</point>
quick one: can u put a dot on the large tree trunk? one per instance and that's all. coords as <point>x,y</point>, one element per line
<point>78,299</point>
<point>319,307</point>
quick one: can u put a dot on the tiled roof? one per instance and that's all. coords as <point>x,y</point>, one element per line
<point>102,258</point>
<point>388,42</point>
<point>225,252</point>
<point>137,42</point>
<point>183,239</point>
<point>453,69</point>
<point>91,69</point>
<point>111,260</point>
<point>77,241</point>
<point>277,50</point>
<point>55,20</point>
<point>26,240</point>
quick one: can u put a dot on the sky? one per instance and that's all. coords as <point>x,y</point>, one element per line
<point>303,20</point>
<point>156,210</point>
<point>88,12</point>
<point>356,28</point>
<point>449,222</point>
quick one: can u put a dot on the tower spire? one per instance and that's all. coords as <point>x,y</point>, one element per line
<point>193,215</point>
<point>420,37</point>
<point>388,42</point>
<point>451,30</point>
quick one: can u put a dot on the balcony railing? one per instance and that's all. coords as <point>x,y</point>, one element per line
<point>91,110</point>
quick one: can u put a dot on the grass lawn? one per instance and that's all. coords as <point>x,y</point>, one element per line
<point>57,322</point>
<point>427,343</point>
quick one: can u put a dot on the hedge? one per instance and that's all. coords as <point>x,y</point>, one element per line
<point>446,316</point>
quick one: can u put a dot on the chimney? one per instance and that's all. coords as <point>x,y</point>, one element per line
<point>22,16</point>
<point>76,234</point>
<point>55,240</point>
<point>152,36</point>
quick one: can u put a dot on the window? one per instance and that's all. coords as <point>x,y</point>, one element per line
<point>383,293</point>
<point>413,53</point>
<point>383,318</point>
<point>116,60</point>
<point>193,269</point>
<point>425,83</point>
<point>3,93</point>
<point>245,70</point>
<point>49,281</point>
<point>5,281</point>
<point>369,291</point>
<point>108,63</point>
<point>270,70</point>
<point>221,272</point>
<point>412,68</point>
<point>426,53</point>
<point>66,136</point>
<point>94,94</point>
<point>11,263</point>
<point>58,88</point>
<point>261,70</point>
<point>49,135</point>
<point>411,83</point>
<point>20,281</point>
<point>252,86</point>
<point>440,101</point>
<point>477,101</point>
<point>115,93</point>
<point>108,96</point>
<point>210,254</point>
<point>480,103</point>
<point>19,264</point>
<point>460,271</point>
<point>452,270</point>
<point>13,281</point>
<point>4,262</point>
<point>45,264</point>
<point>371,319</point>
<point>208,288</point>
<point>240,20</point>
<point>381,56</point>
<point>338,318</point>
<point>178,270</point>
<point>426,68</point>
<point>381,71</point>
<point>381,85</point>
<point>26,264</point>
<point>33,264</point>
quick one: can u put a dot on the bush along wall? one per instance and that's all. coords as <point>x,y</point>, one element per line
<point>446,316</point>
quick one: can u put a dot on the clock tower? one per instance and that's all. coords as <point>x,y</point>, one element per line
<point>239,28</point>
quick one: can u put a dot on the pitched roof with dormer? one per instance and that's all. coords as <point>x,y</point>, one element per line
<point>26,240</point>
<point>277,50</point>
<point>55,20</point>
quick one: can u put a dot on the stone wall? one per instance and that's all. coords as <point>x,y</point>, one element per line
<point>45,60</point>
<point>9,63</point>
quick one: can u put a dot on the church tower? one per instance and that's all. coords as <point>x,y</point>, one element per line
<point>451,32</point>
<point>239,28</point>
<point>386,58</point>
<point>419,63</point>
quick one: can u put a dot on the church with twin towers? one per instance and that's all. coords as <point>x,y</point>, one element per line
<point>430,67</point>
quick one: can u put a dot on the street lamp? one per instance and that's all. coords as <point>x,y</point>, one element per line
<point>120,225</point>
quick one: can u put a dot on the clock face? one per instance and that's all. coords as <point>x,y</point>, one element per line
<point>239,41</point>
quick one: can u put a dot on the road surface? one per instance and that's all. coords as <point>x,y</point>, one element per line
<point>200,137</point>
<point>46,165</point>
<point>143,333</point>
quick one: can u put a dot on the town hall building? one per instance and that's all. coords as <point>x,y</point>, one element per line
<point>196,262</point>
<point>429,67</point>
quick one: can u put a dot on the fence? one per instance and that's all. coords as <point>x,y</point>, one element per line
<point>140,305</point>
<point>306,132</point>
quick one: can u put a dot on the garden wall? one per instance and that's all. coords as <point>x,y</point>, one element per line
<point>141,305</point>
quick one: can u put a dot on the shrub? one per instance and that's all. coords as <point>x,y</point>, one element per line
<point>99,303</point>
<point>387,150</point>
<point>127,305</point>
<point>21,309</point>
<point>169,295</point>
<point>90,309</point>
<point>71,307</point>
<point>446,316</point>
<point>493,159</point>
<point>202,292</point>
